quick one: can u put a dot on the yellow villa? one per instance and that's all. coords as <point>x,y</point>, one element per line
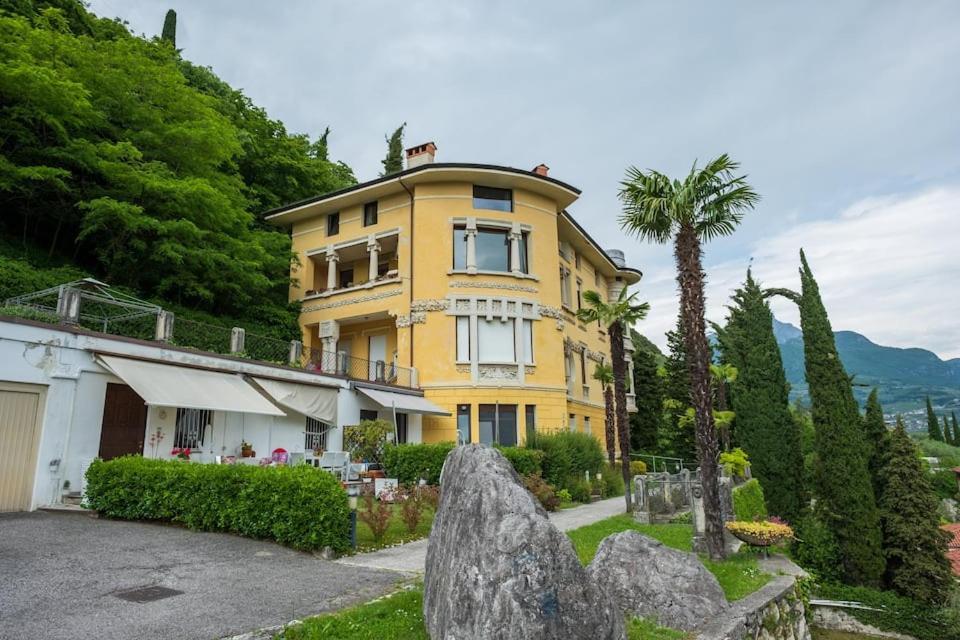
<point>461,281</point>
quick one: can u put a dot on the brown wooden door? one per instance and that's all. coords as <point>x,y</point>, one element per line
<point>124,422</point>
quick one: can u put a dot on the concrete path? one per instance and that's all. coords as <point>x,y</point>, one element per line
<point>411,557</point>
<point>72,576</point>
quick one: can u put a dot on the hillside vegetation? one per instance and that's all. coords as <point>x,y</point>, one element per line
<point>122,160</point>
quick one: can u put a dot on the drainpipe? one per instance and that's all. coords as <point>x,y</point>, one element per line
<point>412,245</point>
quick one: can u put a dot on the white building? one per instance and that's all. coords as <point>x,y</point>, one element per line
<point>68,396</point>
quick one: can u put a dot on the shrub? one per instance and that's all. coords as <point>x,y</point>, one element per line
<point>376,515</point>
<point>542,491</point>
<point>366,440</point>
<point>525,461</point>
<point>816,550</point>
<point>564,496</point>
<point>300,507</point>
<point>748,501</point>
<point>611,481</point>
<point>735,462</point>
<point>580,490</point>
<point>896,613</point>
<point>637,468</point>
<point>29,313</point>
<point>409,462</point>
<point>567,454</point>
<point>411,508</point>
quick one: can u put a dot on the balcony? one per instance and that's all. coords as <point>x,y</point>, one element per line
<point>339,363</point>
<point>356,266</point>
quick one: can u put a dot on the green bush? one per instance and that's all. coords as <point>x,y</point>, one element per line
<point>898,614</point>
<point>944,483</point>
<point>299,506</point>
<point>567,454</point>
<point>735,462</point>
<point>542,491</point>
<point>580,490</point>
<point>816,550</point>
<point>366,440</point>
<point>526,461</point>
<point>610,483</point>
<point>409,462</point>
<point>638,468</point>
<point>748,501</point>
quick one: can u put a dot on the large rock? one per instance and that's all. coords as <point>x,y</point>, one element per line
<point>650,580</point>
<point>498,569</point>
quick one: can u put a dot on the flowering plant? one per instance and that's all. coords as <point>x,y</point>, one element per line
<point>760,534</point>
<point>182,454</point>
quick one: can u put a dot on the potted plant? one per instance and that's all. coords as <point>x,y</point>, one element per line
<point>181,453</point>
<point>246,450</point>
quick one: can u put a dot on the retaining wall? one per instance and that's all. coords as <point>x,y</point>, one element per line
<point>774,612</point>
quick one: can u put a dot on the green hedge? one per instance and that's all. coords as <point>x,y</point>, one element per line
<point>526,461</point>
<point>748,501</point>
<point>567,454</point>
<point>902,615</point>
<point>408,462</point>
<point>299,506</point>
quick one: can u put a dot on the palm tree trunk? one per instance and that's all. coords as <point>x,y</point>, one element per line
<point>691,280</point>
<point>620,392</point>
<point>609,429</point>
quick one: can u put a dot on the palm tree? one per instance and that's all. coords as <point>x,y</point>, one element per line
<point>706,204</point>
<point>615,316</point>
<point>604,375</point>
<point>722,375</point>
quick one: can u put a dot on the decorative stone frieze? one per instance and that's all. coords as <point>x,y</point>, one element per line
<point>553,312</point>
<point>508,286</point>
<point>342,303</point>
<point>497,372</point>
<point>436,304</point>
<point>405,320</point>
<point>596,356</point>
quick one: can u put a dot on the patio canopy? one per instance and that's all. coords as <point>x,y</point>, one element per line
<point>403,402</point>
<point>316,402</point>
<point>169,385</point>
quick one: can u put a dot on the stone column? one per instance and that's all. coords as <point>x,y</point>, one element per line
<point>332,260</point>
<point>163,331</point>
<point>471,234</point>
<point>329,331</point>
<point>515,236</point>
<point>373,248</point>
<point>641,508</point>
<point>699,519</point>
<point>68,305</point>
<point>237,338</point>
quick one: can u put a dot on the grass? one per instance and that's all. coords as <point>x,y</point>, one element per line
<point>738,575</point>
<point>396,531</point>
<point>399,616</point>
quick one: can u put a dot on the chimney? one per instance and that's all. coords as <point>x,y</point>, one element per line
<point>421,154</point>
<point>541,169</point>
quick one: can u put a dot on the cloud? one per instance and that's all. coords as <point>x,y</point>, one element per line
<point>888,268</point>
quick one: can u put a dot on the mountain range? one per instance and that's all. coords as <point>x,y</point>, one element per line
<point>904,376</point>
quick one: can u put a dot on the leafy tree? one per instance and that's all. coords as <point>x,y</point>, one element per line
<point>844,491</point>
<point>706,204</point>
<point>649,399</point>
<point>616,315</point>
<point>723,375</point>
<point>876,440</point>
<point>604,375</point>
<point>914,545</point>
<point>393,163</point>
<point>933,425</point>
<point>169,33</point>
<point>765,428</point>
<point>677,435</point>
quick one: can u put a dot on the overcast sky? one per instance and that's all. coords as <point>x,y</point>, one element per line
<point>845,115</point>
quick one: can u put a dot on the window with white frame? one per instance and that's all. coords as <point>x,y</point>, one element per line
<point>191,427</point>
<point>586,425</point>
<point>315,435</point>
<point>495,341</point>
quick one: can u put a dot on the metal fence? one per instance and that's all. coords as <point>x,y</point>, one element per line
<point>341,364</point>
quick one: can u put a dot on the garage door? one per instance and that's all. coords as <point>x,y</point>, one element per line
<point>20,407</point>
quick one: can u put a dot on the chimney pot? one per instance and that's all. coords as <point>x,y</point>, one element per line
<point>421,154</point>
<point>541,169</point>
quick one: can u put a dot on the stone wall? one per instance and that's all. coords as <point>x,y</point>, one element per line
<point>775,612</point>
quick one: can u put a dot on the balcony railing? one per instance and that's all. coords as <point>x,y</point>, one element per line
<point>341,364</point>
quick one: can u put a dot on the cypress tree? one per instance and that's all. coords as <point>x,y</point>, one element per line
<point>956,429</point>
<point>760,399</point>
<point>913,543</point>
<point>933,425</point>
<point>169,33</point>
<point>393,163</point>
<point>842,484</point>
<point>649,399</point>
<point>947,434</point>
<point>876,440</point>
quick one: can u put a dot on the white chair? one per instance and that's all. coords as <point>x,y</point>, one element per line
<point>336,462</point>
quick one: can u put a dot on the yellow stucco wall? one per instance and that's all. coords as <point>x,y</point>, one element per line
<point>426,337</point>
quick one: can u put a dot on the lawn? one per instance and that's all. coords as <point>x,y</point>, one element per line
<point>396,532</point>
<point>400,617</point>
<point>739,575</point>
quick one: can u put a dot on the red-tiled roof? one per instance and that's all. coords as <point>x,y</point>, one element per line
<point>953,546</point>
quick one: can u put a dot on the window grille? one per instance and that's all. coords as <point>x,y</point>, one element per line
<point>192,426</point>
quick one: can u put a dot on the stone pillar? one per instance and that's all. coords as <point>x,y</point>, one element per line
<point>332,260</point>
<point>237,338</point>
<point>68,305</point>
<point>471,234</point>
<point>699,519</point>
<point>329,331</point>
<point>515,236</point>
<point>163,332</point>
<point>373,248</point>
<point>641,506</point>
<point>296,352</point>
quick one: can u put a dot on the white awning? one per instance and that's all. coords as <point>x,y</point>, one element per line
<point>168,385</point>
<point>316,402</point>
<point>403,402</point>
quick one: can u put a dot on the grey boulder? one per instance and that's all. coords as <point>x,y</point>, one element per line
<point>647,579</point>
<point>498,569</point>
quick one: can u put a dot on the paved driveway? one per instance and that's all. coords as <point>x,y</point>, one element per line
<point>62,576</point>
